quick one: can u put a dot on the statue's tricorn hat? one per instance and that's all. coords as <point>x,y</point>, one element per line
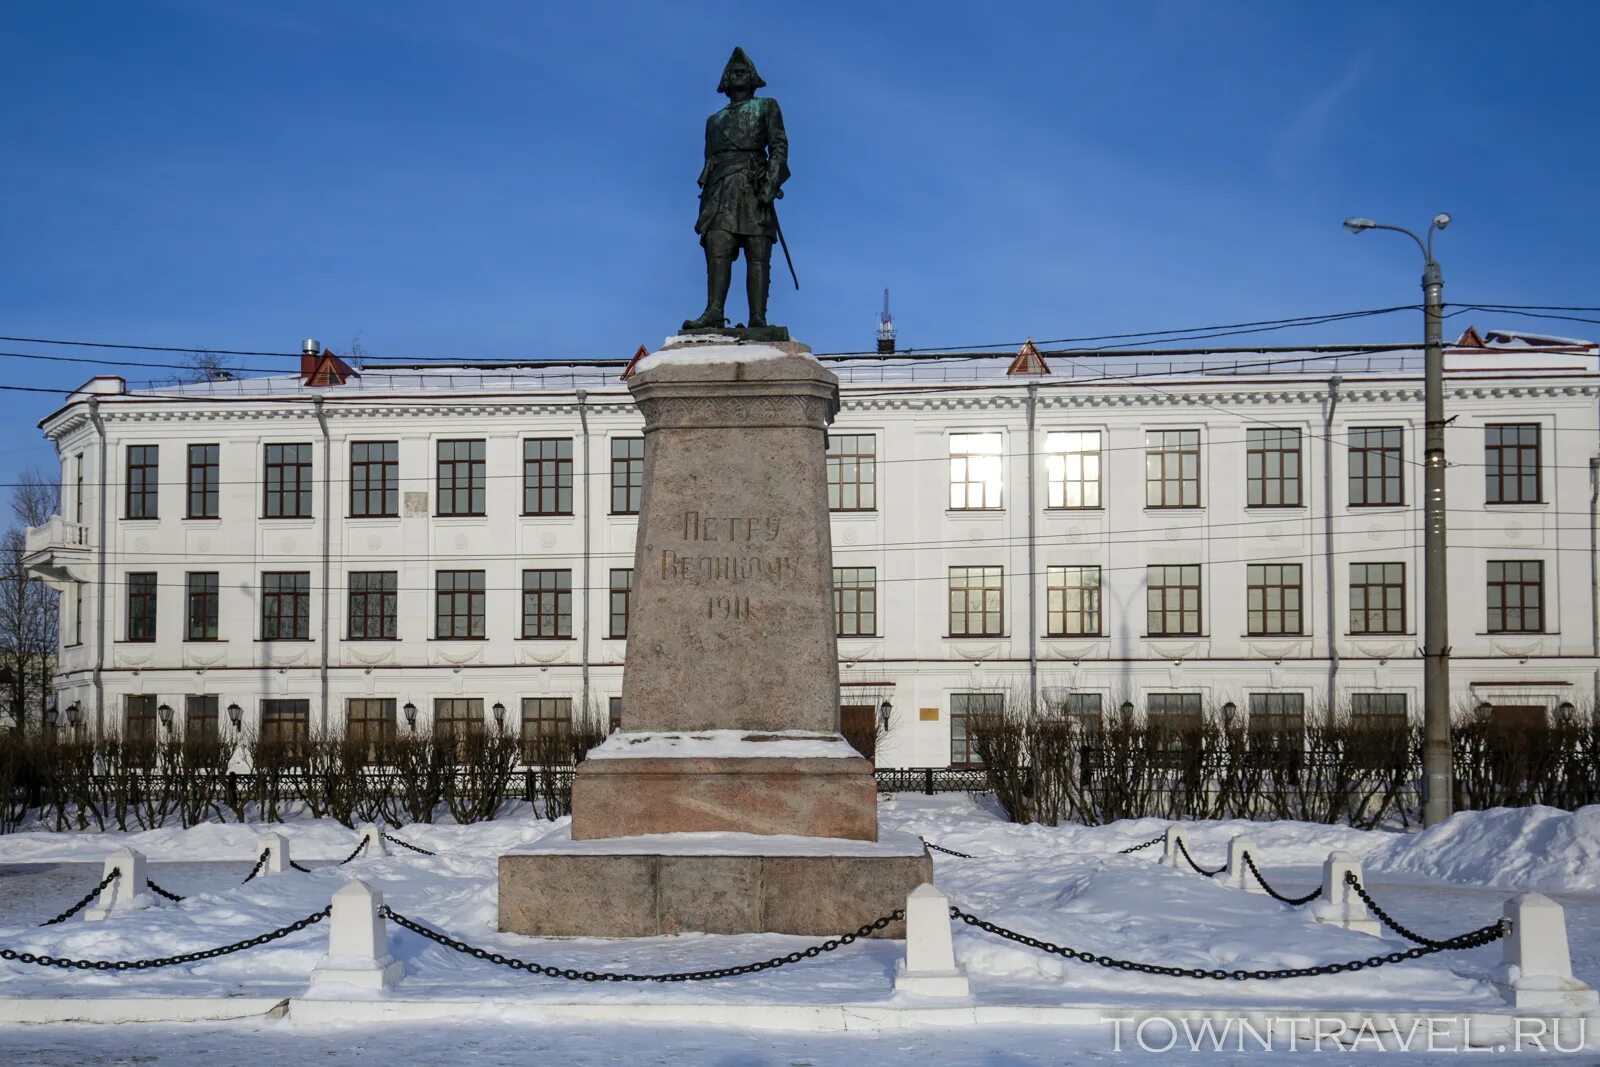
<point>739,59</point>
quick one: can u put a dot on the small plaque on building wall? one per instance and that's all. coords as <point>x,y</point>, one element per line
<point>928,714</point>
<point>416,505</point>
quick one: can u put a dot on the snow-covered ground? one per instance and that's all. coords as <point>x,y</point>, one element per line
<point>1065,884</point>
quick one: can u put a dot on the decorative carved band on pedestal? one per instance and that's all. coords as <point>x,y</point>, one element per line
<point>735,411</point>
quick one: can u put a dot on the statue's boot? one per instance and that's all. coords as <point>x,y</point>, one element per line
<point>719,274</point>
<point>756,279</point>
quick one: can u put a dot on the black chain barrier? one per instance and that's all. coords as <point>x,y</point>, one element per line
<point>1250,862</point>
<point>260,863</point>
<point>164,961</point>
<point>946,851</point>
<point>360,847</point>
<point>393,840</point>
<point>296,865</point>
<point>1184,849</point>
<point>1145,844</point>
<point>572,974</point>
<point>175,898</point>
<point>1410,935</point>
<point>116,872</point>
<point>1472,939</point>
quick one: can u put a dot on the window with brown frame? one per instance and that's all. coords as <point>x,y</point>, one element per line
<point>374,479</point>
<point>370,722</point>
<point>852,472</point>
<point>1272,467</point>
<point>144,482</point>
<point>458,718</point>
<point>1516,596</point>
<point>1279,714</point>
<point>202,725</point>
<point>547,604</point>
<point>1072,601</point>
<point>202,590</point>
<point>1376,454</point>
<point>1172,468</point>
<point>1273,600</point>
<point>373,603</point>
<point>964,708</point>
<point>547,476</point>
<point>286,606</point>
<point>976,480</point>
<point>613,714</point>
<point>461,477</point>
<point>139,722</point>
<point>141,606</point>
<point>1172,600</point>
<point>458,605</point>
<point>286,723</point>
<point>855,601</point>
<point>1378,711</point>
<point>627,475</point>
<point>1377,598</point>
<point>1511,463</point>
<point>1072,469</point>
<point>287,488</point>
<point>977,601</point>
<point>204,471</point>
<point>621,595</point>
<point>546,727</point>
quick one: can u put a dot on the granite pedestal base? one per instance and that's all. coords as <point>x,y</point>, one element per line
<point>809,797</point>
<point>708,883</point>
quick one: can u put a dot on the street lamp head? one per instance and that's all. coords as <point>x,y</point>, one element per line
<point>411,714</point>
<point>165,712</point>
<point>884,711</point>
<point>1441,220</point>
<point>235,715</point>
<point>73,711</point>
<point>499,713</point>
<point>1355,225</point>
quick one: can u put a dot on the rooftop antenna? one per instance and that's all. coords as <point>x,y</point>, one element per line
<point>886,329</point>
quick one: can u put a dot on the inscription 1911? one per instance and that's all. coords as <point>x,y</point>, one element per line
<point>697,567</point>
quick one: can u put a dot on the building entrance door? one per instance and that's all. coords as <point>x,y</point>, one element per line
<point>859,724</point>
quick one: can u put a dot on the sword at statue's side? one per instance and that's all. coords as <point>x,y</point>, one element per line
<point>784,245</point>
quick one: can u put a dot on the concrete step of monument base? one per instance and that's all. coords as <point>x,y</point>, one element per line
<point>716,883</point>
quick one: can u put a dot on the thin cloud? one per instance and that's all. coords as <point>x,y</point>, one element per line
<point>1301,138</point>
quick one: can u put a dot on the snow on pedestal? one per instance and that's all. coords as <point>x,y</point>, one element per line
<point>358,943</point>
<point>1536,970</point>
<point>1171,848</point>
<point>126,893</point>
<point>373,836</point>
<point>1237,875</point>
<point>1339,904</point>
<point>276,846</point>
<point>929,969</point>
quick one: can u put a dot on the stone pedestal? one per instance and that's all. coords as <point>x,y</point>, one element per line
<point>730,694</point>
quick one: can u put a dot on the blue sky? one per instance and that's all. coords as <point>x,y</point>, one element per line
<point>517,180</point>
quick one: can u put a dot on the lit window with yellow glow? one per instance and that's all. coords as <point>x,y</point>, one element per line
<point>975,471</point>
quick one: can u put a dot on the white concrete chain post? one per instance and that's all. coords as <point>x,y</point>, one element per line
<point>929,969</point>
<point>126,893</point>
<point>276,846</point>
<point>358,941</point>
<point>1536,968</point>
<point>1339,905</point>
<point>1238,876</point>
<point>1171,856</point>
<point>372,834</point>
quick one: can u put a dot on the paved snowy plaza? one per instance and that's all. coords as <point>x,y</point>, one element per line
<point>1069,885</point>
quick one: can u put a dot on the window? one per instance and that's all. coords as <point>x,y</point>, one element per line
<point>202,614</point>
<point>613,714</point>
<point>1377,598</point>
<point>204,465</point>
<point>1272,593</point>
<point>461,481</point>
<point>141,607</point>
<point>458,605</point>
<point>144,470</point>
<point>547,604</point>
<point>547,476</point>
<point>286,723</point>
<point>374,479</point>
<point>139,719</point>
<point>546,729</point>
<point>201,723</point>
<point>458,718</point>
<point>77,613</point>
<point>976,601</point>
<point>964,708</point>
<point>1382,711</point>
<point>77,500</point>
<point>370,721</point>
<point>1072,601</point>
<point>373,614</point>
<point>1174,713</point>
<point>855,601</point>
<point>288,482</point>
<point>1278,714</point>
<point>1516,596</point>
<point>627,475</point>
<point>1172,601</point>
<point>1376,453</point>
<point>1272,467</point>
<point>975,471</point>
<point>1082,711</point>
<point>852,472</point>
<point>1511,463</point>
<point>286,606</point>
<point>1072,469</point>
<point>621,595</point>
<point>1172,468</point>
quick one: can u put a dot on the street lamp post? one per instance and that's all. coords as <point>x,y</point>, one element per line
<point>1436,769</point>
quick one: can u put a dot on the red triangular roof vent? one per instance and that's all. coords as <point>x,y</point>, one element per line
<point>1470,339</point>
<point>1028,361</point>
<point>325,370</point>
<point>627,372</point>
